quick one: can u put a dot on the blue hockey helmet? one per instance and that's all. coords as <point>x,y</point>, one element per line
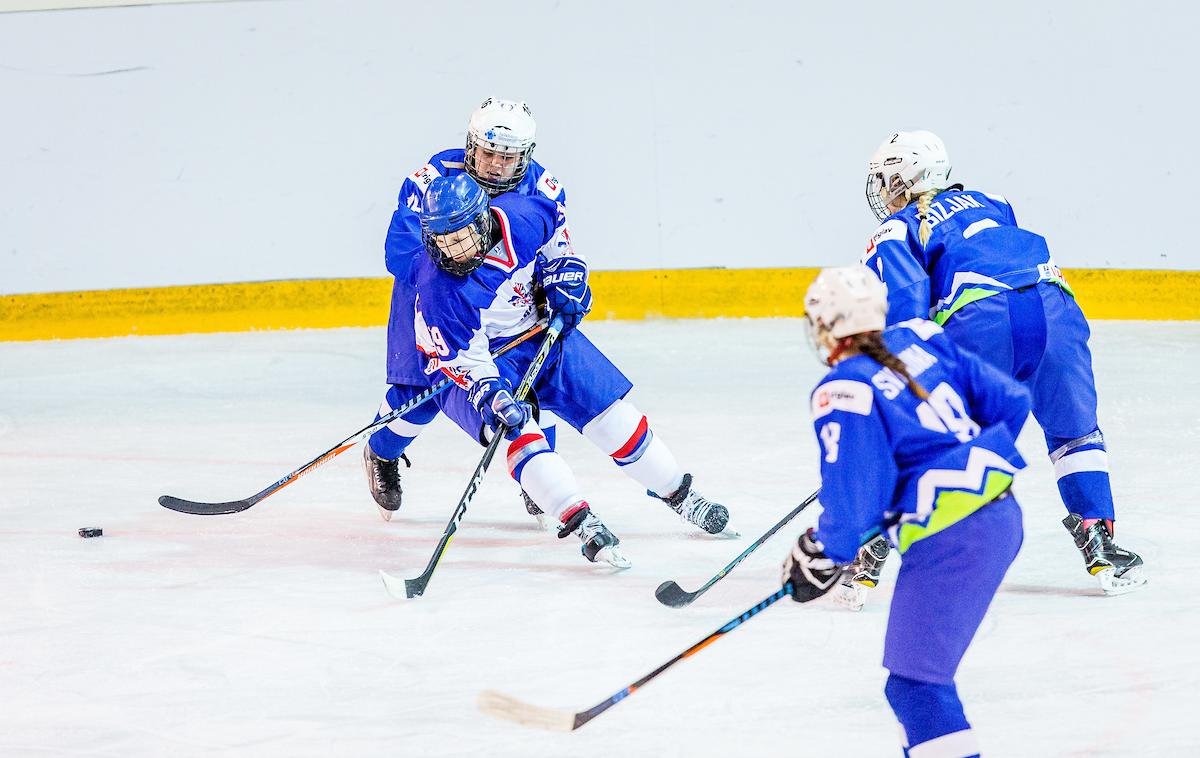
<point>455,223</point>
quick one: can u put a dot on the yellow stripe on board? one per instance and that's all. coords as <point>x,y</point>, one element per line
<point>690,293</point>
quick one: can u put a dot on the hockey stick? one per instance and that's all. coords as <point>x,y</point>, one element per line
<point>670,593</point>
<point>236,506</point>
<point>507,707</point>
<point>416,587</point>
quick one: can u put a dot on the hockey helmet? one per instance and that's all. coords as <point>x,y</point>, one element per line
<point>500,144</point>
<point>841,302</point>
<point>455,223</point>
<point>904,166</point>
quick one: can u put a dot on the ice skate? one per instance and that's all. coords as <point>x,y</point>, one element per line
<point>1118,570</point>
<point>383,477</point>
<point>533,510</point>
<point>862,575</point>
<point>696,509</point>
<point>599,544</point>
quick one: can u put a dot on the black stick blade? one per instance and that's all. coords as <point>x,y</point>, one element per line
<point>671,594</point>
<point>203,509</point>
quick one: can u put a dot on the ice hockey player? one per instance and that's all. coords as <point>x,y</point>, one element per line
<point>474,293</point>
<point>958,257</point>
<point>499,156</point>
<point>917,441</point>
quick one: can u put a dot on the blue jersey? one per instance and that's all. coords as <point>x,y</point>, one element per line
<point>403,247</point>
<point>461,319</point>
<point>892,462</point>
<point>976,250</point>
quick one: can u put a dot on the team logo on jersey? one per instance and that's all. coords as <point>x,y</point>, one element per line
<point>521,295</point>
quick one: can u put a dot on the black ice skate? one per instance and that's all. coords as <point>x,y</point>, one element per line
<point>862,574</point>
<point>1118,570</point>
<point>599,544</point>
<point>533,510</point>
<point>383,477</point>
<point>696,509</point>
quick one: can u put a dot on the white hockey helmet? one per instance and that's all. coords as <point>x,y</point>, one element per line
<point>904,166</point>
<point>841,302</point>
<point>500,144</point>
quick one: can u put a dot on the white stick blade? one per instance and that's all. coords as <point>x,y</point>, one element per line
<point>509,708</point>
<point>394,586</point>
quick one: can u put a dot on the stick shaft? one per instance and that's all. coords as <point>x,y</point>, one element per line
<point>585,716</point>
<point>416,587</point>
<point>188,506</point>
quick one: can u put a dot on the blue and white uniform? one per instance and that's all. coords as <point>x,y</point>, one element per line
<point>461,320</point>
<point>934,476</point>
<point>997,291</point>
<point>402,248</point>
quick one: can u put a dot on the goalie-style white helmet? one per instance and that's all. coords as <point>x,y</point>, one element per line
<point>904,166</point>
<point>842,302</point>
<point>500,144</point>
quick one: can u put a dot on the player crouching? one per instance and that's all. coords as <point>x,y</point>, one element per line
<point>475,293</point>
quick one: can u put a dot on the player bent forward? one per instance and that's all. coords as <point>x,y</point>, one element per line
<point>475,292</point>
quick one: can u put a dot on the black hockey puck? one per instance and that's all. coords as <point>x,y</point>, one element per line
<point>91,532</point>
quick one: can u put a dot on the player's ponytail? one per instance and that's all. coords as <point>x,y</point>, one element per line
<point>926,229</point>
<point>871,345</point>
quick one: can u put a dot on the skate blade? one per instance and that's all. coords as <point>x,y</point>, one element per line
<point>545,524</point>
<point>1131,580</point>
<point>851,596</point>
<point>387,515</point>
<point>728,533</point>
<point>613,557</point>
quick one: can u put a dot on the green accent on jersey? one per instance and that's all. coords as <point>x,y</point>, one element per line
<point>953,506</point>
<point>965,297</point>
<point>974,294</point>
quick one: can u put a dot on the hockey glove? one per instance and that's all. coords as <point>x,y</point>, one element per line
<point>564,280</point>
<point>811,573</point>
<point>493,399</point>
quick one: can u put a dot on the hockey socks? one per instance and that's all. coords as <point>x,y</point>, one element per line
<point>1081,467</point>
<point>625,435</point>
<point>390,442</point>
<point>931,719</point>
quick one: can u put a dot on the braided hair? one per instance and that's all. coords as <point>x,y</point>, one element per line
<point>923,202</point>
<point>871,345</point>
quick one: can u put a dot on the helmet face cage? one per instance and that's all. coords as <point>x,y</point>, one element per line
<point>498,168</point>
<point>881,191</point>
<point>814,331</point>
<point>459,251</point>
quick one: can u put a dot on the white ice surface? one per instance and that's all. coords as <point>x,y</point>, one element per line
<point>268,633</point>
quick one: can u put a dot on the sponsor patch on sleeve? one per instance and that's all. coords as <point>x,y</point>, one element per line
<point>549,186</point>
<point>895,229</point>
<point>842,395</point>
<point>424,176</point>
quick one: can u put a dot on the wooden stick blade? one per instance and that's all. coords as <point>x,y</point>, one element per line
<point>506,707</point>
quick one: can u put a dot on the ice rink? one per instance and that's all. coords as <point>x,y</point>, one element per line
<point>268,633</point>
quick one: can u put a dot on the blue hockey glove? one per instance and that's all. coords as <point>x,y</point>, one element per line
<point>564,280</point>
<point>810,571</point>
<point>493,398</point>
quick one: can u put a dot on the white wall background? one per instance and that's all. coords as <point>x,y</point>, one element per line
<point>249,141</point>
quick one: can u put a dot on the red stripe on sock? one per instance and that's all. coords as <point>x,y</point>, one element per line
<point>632,443</point>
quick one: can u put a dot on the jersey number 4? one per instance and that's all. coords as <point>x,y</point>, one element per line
<point>945,411</point>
